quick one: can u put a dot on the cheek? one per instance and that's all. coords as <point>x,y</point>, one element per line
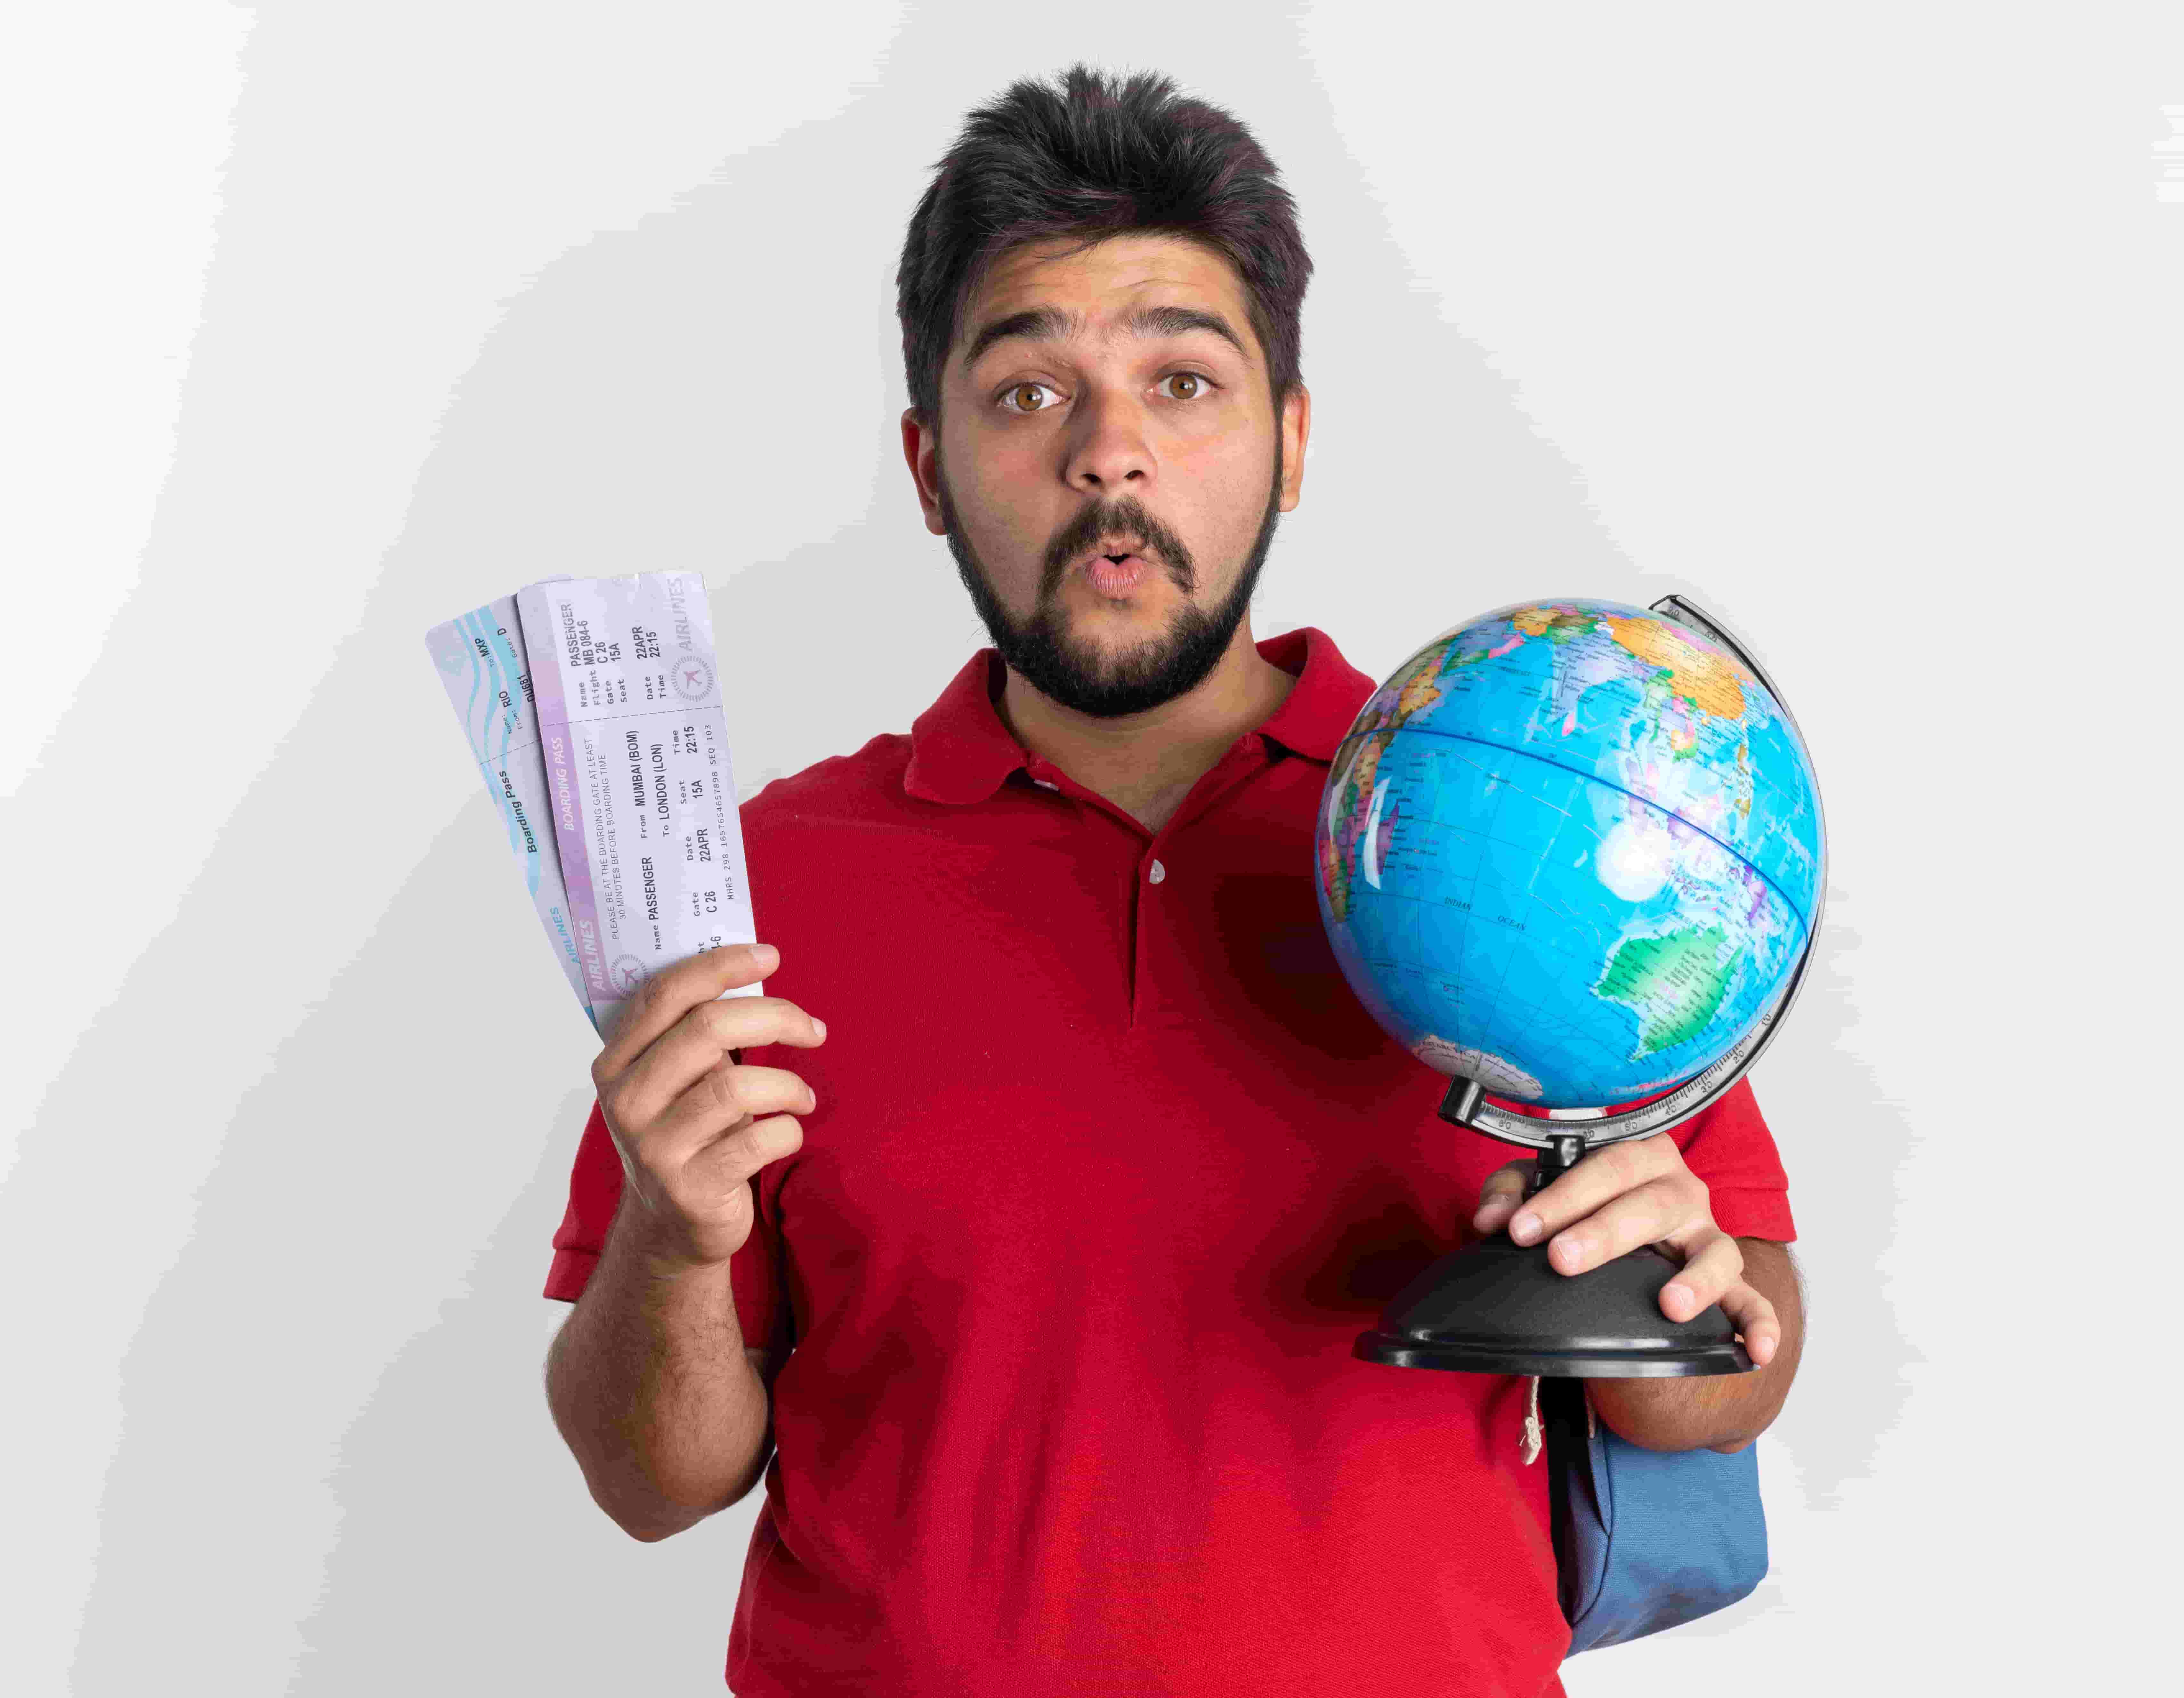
<point>1232,501</point>
<point>1000,484</point>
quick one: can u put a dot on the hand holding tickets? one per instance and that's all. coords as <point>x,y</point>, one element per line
<point>683,1112</point>
<point>594,710</point>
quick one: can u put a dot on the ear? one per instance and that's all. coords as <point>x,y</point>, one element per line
<point>1296,427</point>
<point>919,446</point>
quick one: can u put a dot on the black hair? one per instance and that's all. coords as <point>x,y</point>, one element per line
<point>1092,159</point>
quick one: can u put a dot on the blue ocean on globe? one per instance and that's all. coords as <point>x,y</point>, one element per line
<point>1571,850</point>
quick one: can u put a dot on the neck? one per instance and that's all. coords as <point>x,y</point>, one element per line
<point>1145,764</point>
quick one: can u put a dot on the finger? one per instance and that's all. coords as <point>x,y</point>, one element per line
<point>723,1101</point>
<point>1500,1196</point>
<point>1754,1317</point>
<point>1660,1209</point>
<point>1603,1174</point>
<point>730,1161</point>
<point>705,1037</point>
<point>673,992</point>
<point>753,1089</point>
<point>1709,1270</point>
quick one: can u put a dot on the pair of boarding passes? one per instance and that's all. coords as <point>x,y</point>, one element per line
<point>593,707</point>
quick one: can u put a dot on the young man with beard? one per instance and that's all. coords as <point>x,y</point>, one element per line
<point>1031,1290</point>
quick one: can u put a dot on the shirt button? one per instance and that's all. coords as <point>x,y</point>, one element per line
<point>1157,874</point>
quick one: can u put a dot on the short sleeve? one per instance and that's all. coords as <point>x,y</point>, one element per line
<point>755,1271</point>
<point>1727,1144</point>
<point>594,1193</point>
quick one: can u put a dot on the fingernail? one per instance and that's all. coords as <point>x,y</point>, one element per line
<point>1678,1295</point>
<point>1524,1228</point>
<point>765,955</point>
<point>818,1025</point>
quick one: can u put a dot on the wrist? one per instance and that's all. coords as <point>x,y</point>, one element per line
<point>660,1248</point>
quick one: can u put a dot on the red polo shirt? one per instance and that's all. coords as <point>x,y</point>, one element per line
<point>1108,1169</point>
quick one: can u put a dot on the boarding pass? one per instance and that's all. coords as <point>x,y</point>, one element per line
<point>593,707</point>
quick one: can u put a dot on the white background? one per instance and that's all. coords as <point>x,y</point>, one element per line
<point>1858,324</point>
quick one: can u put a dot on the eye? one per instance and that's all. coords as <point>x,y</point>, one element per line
<point>1202,385</point>
<point>1202,389</point>
<point>1018,389</point>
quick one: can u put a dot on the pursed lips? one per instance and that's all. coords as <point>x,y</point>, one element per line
<point>1120,552</point>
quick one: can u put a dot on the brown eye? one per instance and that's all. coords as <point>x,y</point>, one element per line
<point>1190,377</point>
<point>1009,395</point>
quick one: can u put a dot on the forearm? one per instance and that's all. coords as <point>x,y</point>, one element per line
<point>650,1386</point>
<point>1721,1413</point>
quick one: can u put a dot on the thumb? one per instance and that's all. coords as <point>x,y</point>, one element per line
<point>1500,1196</point>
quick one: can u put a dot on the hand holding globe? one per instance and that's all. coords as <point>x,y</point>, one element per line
<point>1629,1195</point>
<point>1571,854</point>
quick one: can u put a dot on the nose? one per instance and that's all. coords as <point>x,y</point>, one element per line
<point>1110,455</point>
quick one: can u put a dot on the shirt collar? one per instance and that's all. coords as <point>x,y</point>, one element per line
<point>959,751</point>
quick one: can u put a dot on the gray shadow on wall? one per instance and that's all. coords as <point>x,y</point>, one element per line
<point>673,396</point>
<point>351,1347</point>
<point>1841,1137</point>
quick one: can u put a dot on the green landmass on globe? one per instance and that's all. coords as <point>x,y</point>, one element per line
<point>1570,850</point>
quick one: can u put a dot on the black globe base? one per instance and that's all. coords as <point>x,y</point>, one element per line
<point>1497,1306</point>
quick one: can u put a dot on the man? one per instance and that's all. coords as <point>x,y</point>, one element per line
<point>1041,1335</point>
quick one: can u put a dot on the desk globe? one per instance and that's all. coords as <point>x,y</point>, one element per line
<point>1571,854</point>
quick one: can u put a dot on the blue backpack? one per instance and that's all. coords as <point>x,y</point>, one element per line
<point>1645,1539</point>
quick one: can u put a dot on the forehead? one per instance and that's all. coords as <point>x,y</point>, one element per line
<point>1100,289</point>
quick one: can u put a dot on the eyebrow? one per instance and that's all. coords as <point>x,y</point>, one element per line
<point>1052,323</point>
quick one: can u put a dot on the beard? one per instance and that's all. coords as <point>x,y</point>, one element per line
<point>1068,671</point>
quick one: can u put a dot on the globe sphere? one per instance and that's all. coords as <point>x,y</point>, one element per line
<point>1571,850</point>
